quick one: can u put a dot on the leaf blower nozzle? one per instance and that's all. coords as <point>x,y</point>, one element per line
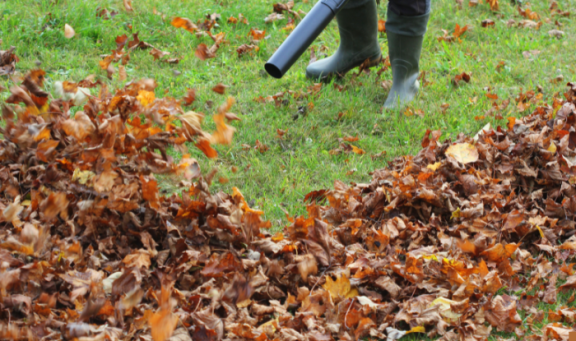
<point>302,37</point>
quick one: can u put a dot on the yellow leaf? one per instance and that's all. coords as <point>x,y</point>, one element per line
<point>408,112</point>
<point>340,288</point>
<point>552,148</point>
<point>463,152</point>
<point>358,150</point>
<point>435,166</point>
<point>456,214</point>
<point>540,230</point>
<point>244,303</point>
<point>145,97</point>
<point>451,262</point>
<point>82,176</point>
<point>418,329</point>
<point>433,257</point>
<point>269,327</point>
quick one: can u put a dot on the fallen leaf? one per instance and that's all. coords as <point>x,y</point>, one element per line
<point>68,31</point>
<point>463,152</point>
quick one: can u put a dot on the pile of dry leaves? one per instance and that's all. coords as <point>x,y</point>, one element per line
<point>90,250</point>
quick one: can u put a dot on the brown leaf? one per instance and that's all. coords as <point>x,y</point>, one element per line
<point>219,88</point>
<point>488,23</point>
<point>307,266</point>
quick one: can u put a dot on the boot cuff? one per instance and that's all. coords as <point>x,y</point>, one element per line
<point>408,26</point>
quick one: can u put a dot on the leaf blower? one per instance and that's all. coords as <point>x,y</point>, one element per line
<point>302,37</point>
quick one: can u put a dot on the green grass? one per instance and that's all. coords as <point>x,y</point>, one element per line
<point>278,179</point>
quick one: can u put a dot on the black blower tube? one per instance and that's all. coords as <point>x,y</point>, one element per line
<point>302,37</point>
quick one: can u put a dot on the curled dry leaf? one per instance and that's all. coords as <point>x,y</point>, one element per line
<point>529,24</point>
<point>157,54</point>
<point>261,147</point>
<point>224,133</point>
<point>122,73</point>
<point>494,6</point>
<point>203,52</point>
<point>8,61</point>
<point>463,77</point>
<point>257,35</point>
<point>273,17</point>
<point>245,48</point>
<point>68,31</point>
<point>128,5</point>
<point>556,33</point>
<point>488,23</point>
<point>190,97</point>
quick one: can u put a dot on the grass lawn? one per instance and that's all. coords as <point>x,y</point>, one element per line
<point>502,60</point>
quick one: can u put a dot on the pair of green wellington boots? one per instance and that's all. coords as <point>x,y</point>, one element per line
<point>358,26</point>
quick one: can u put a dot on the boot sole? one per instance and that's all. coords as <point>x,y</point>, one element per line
<point>328,77</point>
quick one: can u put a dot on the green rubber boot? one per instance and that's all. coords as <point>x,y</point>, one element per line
<point>358,27</point>
<point>405,37</point>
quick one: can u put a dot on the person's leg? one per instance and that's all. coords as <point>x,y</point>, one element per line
<point>405,28</point>
<point>358,27</point>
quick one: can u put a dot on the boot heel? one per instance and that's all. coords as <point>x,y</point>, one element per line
<point>370,63</point>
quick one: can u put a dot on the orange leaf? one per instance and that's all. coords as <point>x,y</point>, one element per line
<point>382,26</point>
<point>206,148</point>
<point>184,23</point>
<point>358,150</point>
